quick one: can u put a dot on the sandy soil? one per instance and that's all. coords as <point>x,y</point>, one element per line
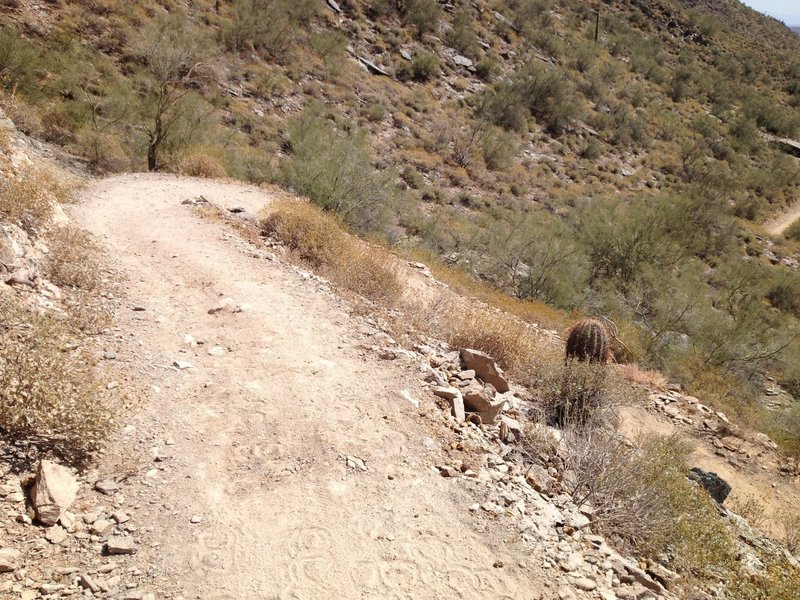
<point>780,224</point>
<point>261,433</point>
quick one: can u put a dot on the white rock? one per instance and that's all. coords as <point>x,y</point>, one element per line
<point>9,559</point>
<point>53,491</point>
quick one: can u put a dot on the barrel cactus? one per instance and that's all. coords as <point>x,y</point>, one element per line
<point>589,341</point>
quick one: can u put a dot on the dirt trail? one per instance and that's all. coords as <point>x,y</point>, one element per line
<point>780,224</point>
<point>261,433</point>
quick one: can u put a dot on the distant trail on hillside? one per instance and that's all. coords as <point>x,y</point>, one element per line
<point>295,468</point>
<point>780,224</point>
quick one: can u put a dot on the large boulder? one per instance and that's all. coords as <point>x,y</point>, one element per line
<point>53,492</point>
<point>715,485</point>
<point>485,368</point>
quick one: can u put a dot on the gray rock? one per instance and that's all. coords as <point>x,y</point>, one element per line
<point>106,486</point>
<point>538,478</point>
<point>101,526</point>
<point>584,583</point>
<point>182,364</point>
<point>485,368</point>
<point>463,61</point>
<point>226,305</point>
<point>56,534</point>
<point>372,67</point>
<point>120,517</point>
<point>110,356</point>
<point>457,408</point>
<point>121,545</point>
<point>53,492</point>
<point>448,393</point>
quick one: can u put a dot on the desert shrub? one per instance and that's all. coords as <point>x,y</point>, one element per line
<point>333,167</point>
<point>375,112</point>
<point>499,148</point>
<point>424,66</point>
<point>20,63</point>
<point>789,521</point>
<point>779,581</point>
<point>793,231</point>
<point>331,45</point>
<point>485,67</point>
<point>423,15</point>
<point>641,496</point>
<point>368,271</point>
<point>201,164</point>
<point>104,150</point>
<point>472,324</point>
<point>622,240</point>
<point>784,294</point>
<point>461,35</point>
<point>47,396</point>
<point>576,396</point>
<point>316,237</point>
<point>27,200</point>
<point>269,26</point>
<point>72,258</point>
<point>319,239</point>
<point>537,90</point>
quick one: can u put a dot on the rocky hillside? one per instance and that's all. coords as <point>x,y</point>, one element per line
<point>615,160</point>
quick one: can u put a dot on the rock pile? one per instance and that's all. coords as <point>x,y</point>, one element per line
<point>67,522</point>
<point>526,491</point>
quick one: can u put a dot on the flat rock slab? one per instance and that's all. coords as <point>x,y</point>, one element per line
<point>121,545</point>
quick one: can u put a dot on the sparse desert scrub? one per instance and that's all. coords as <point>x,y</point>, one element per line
<point>26,201</point>
<point>201,164</point>
<point>72,258</point>
<point>641,496</point>
<point>320,240</point>
<point>473,324</point>
<point>47,394</point>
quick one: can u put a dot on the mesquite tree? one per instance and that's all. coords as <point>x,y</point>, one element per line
<point>169,52</point>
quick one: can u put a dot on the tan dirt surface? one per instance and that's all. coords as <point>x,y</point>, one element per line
<point>253,443</point>
<point>759,481</point>
<point>780,224</point>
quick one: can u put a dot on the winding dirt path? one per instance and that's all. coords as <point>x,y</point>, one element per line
<point>254,441</point>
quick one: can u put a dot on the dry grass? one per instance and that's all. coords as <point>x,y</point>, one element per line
<point>320,240</point>
<point>27,200</point>
<point>47,396</point>
<point>201,164</point>
<point>72,260</point>
<point>465,323</point>
<point>651,380</point>
<point>463,284</point>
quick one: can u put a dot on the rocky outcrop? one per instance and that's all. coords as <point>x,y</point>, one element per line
<point>715,485</point>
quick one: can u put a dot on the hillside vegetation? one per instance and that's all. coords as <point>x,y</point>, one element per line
<point>612,158</point>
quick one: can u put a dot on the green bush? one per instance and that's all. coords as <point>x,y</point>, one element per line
<point>269,26</point>
<point>461,35</point>
<point>334,168</point>
<point>423,15</point>
<point>793,231</point>
<point>424,66</point>
<point>331,46</point>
